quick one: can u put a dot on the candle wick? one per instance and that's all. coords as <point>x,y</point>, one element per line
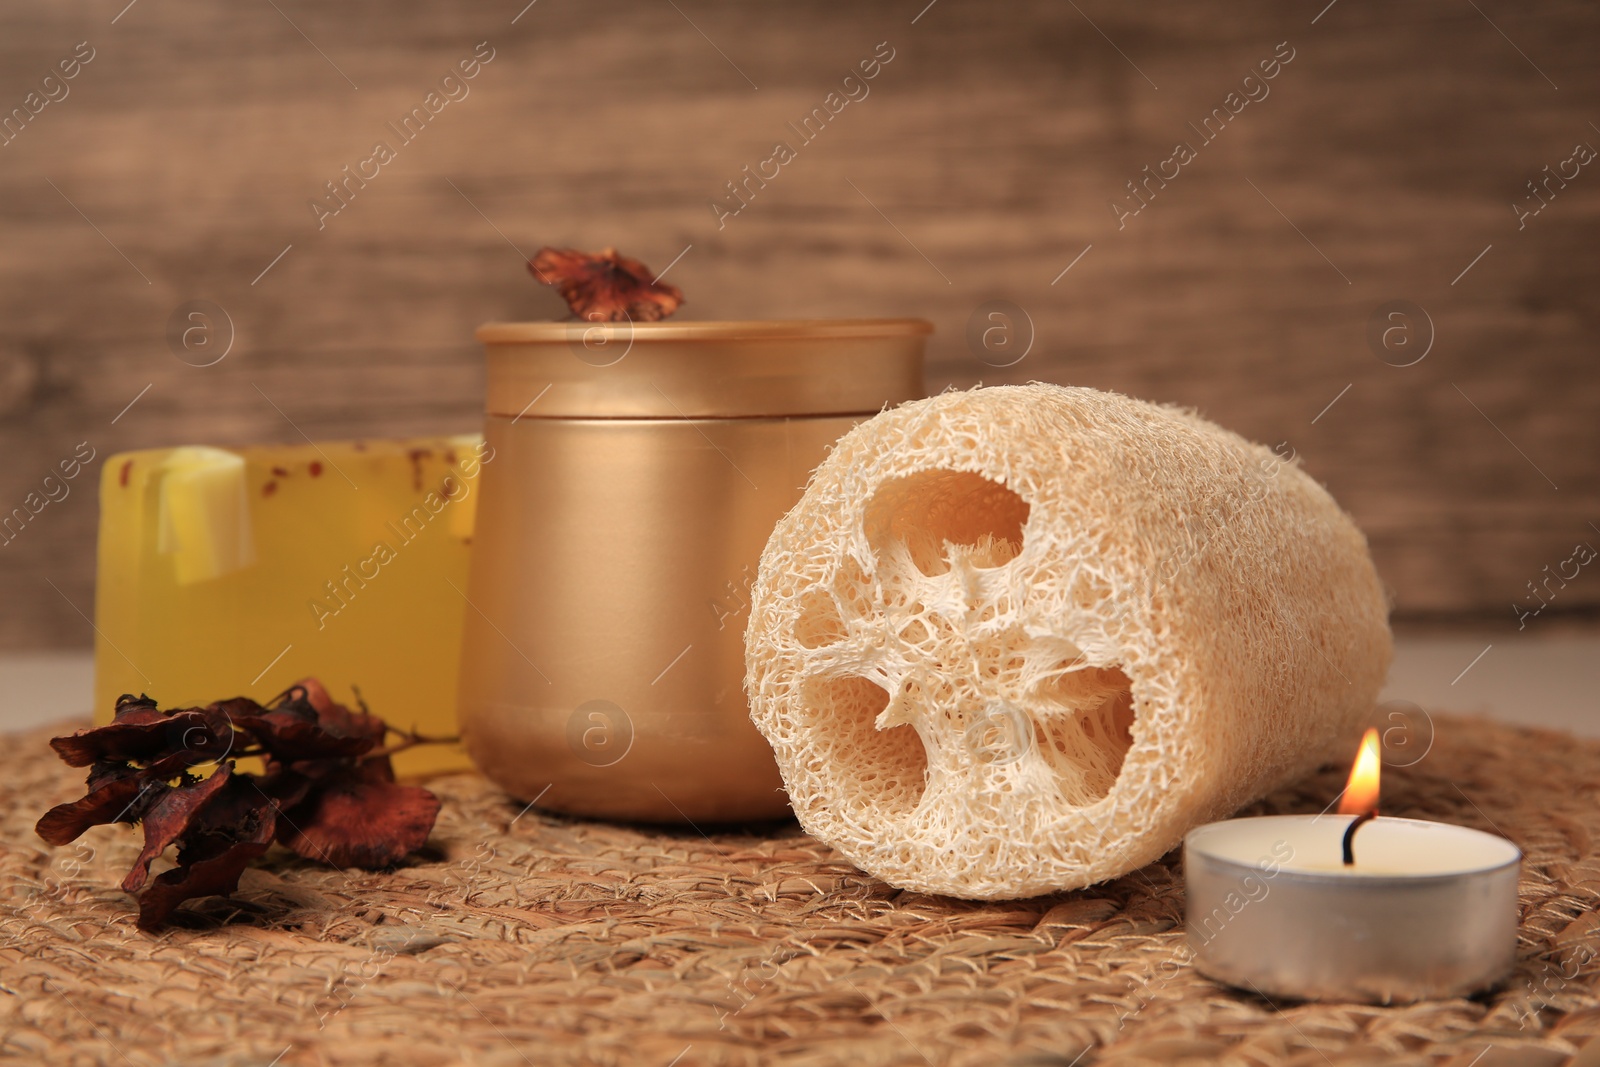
<point>1350,835</point>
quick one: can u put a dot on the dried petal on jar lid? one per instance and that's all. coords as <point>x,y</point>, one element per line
<point>1022,639</point>
<point>605,286</point>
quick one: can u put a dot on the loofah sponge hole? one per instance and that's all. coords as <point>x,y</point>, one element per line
<point>885,770</point>
<point>1085,747</point>
<point>936,513</point>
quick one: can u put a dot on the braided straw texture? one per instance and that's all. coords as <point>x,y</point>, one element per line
<point>1024,638</point>
<point>534,939</point>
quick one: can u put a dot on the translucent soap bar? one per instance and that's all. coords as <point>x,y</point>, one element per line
<point>234,572</point>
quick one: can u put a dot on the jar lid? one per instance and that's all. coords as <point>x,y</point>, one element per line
<point>702,369</point>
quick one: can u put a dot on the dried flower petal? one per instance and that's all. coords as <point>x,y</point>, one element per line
<point>140,732</point>
<point>304,723</point>
<point>606,286</point>
<point>216,876</point>
<point>237,826</point>
<point>170,818</point>
<point>236,814</point>
<point>361,818</point>
<point>110,799</point>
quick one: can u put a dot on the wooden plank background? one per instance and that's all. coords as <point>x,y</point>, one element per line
<point>1383,163</point>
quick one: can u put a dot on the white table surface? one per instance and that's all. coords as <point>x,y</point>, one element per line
<point>1535,679</point>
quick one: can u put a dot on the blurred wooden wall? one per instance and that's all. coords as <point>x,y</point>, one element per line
<point>181,160</point>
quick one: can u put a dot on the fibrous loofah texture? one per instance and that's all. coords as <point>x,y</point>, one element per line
<point>1023,638</point>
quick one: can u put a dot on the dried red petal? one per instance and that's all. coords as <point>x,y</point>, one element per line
<point>335,718</point>
<point>338,719</point>
<point>287,787</point>
<point>305,724</point>
<point>133,713</point>
<point>172,817</point>
<point>240,811</point>
<point>112,797</point>
<point>217,876</point>
<point>358,818</point>
<point>140,733</point>
<point>313,692</point>
<point>606,286</point>
<point>130,708</point>
<point>211,869</point>
<point>292,741</point>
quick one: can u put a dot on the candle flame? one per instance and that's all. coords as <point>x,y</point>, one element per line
<point>1361,791</point>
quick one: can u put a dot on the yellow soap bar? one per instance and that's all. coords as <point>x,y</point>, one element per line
<point>234,572</point>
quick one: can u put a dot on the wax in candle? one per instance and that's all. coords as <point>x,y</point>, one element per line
<point>1383,847</point>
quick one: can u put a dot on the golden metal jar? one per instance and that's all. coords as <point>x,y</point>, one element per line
<point>636,472</point>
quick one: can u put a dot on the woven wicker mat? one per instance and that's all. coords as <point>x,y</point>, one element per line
<point>528,939</point>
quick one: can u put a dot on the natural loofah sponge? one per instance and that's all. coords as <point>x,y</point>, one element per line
<point>1023,638</point>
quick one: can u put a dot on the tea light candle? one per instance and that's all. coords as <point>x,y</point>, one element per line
<point>1424,910</point>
